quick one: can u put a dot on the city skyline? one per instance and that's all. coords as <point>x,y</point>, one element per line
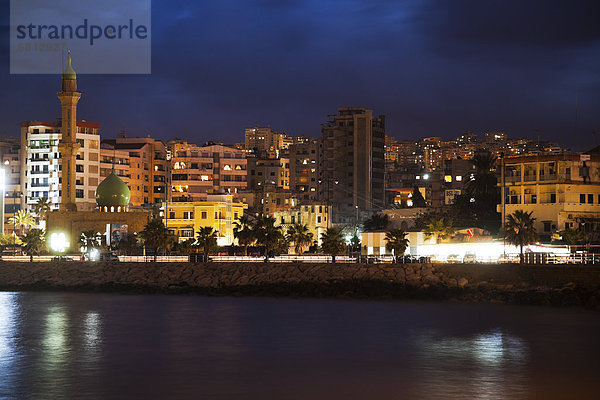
<point>433,69</point>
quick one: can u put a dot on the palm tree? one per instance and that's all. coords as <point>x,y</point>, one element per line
<point>243,231</point>
<point>267,234</point>
<point>7,240</point>
<point>22,219</point>
<point>572,236</point>
<point>184,248</point>
<point>156,236</point>
<point>439,227</point>
<point>129,245</point>
<point>396,242</point>
<point>89,239</point>
<point>300,235</point>
<point>332,242</point>
<point>206,240</point>
<point>33,242</point>
<point>377,222</point>
<point>483,183</point>
<point>519,229</point>
<point>42,208</point>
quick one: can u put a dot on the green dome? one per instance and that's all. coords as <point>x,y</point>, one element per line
<point>69,72</point>
<point>112,191</point>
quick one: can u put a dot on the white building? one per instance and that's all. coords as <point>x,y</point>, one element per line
<point>41,165</point>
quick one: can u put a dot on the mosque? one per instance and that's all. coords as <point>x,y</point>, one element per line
<point>112,217</point>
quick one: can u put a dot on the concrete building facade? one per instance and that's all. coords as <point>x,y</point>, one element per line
<point>219,212</point>
<point>352,163</point>
<point>563,191</point>
<point>41,163</point>
<point>197,171</point>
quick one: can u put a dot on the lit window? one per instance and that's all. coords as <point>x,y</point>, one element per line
<point>448,178</point>
<point>458,178</point>
<point>227,167</point>
<point>204,177</point>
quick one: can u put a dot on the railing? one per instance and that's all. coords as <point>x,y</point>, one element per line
<point>548,177</point>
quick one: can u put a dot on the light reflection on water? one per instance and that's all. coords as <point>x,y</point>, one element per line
<point>9,308</point>
<point>494,361</point>
<point>98,346</point>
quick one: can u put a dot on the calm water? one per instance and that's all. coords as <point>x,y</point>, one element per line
<point>111,346</point>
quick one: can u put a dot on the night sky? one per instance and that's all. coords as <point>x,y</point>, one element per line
<point>433,67</point>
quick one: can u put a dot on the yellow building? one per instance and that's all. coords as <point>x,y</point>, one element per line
<point>562,190</point>
<point>219,212</point>
<point>314,216</point>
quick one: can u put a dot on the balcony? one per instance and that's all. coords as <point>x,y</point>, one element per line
<point>37,185</point>
<point>39,172</point>
<point>548,177</point>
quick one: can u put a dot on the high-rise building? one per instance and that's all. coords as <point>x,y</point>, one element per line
<point>274,171</point>
<point>148,168</point>
<point>117,161</point>
<point>264,142</point>
<point>197,171</point>
<point>41,164</point>
<point>352,162</point>
<point>304,168</point>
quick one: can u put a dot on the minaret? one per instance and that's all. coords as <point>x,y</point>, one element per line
<point>68,147</point>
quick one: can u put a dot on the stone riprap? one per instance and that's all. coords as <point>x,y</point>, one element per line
<point>511,283</point>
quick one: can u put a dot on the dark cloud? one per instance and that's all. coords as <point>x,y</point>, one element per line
<point>434,67</point>
<point>549,23</point>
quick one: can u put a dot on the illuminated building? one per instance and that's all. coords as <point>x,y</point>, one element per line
<point>148,168</point>
<point>219,212</point>
<point>563,191</point>
<point>314,216</point>
<point>197,171</point>
<point>110,213</point>
<point>304,168</point>
<point>60,160</point>
<point>10,159</point>
<point>262,141</point>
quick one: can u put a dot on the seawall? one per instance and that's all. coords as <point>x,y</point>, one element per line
<point>570,285</point>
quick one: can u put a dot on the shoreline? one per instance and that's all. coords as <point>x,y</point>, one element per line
<point>566,286</point>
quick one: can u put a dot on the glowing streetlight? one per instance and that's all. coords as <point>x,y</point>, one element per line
<point>58,242</point>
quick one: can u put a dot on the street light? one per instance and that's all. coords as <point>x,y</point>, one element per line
<point>58,242</point>
<point>2,188</point>
<point>329,214</point>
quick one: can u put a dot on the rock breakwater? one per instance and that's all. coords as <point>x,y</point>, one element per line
<point>508,283</point>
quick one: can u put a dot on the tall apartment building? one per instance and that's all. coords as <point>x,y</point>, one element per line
<point>41,167</point>
<point>115,160</point>
<point>352,162</point>
<point>197,171</point>
<point>304,168</point>
<point>148,168</point>
<point>563,191</point>
<point>10,159</point>
<point>274,171</point>
<point>264,142</point>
